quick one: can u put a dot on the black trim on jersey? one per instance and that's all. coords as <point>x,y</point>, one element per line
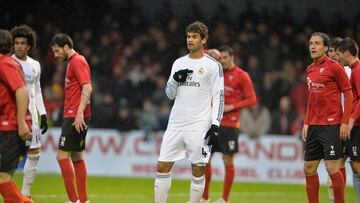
<point>221,102</point>
<point>221,74</point>
<point>221,105</point>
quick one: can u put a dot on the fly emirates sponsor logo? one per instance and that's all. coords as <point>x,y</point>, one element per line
<point>314,86</point>
<point>190,83</point>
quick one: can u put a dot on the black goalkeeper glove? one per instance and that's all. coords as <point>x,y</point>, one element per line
<point>181,75</point>
<point>211,135</point>
<point>44,124</point>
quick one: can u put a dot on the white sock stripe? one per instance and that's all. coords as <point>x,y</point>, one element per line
<point>198,180</point>
<point>33,156</point>
<point>163,175</point>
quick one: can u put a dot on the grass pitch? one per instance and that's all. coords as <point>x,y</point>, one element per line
<point>48,188</point>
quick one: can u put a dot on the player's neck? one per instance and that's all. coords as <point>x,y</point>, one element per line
<point>70,53</point>
<point>22,58</point>
<point>352,61</point>
<point>196,54</point>
<point>232,66</point>
<point>319,60</point>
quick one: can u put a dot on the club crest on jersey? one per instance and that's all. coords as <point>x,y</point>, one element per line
<point>201,71</point>
<point>322,70</point>
<point>231,77</point>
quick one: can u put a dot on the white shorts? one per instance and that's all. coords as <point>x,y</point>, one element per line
<point>177,145</point>
<point>35,140</point>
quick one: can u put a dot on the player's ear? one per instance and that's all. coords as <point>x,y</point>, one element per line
<point>326,48</point>
<point>66,47</point>
<point>347,53</point>
<point>204,41</point>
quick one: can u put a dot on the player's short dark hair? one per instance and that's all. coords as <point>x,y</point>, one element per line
<point>324,37</point>
<point>198,27</point>
<point>61,40</point>
<point>6,42</point>
<point>226,48</point>
<point>334,42</point>
<point>25,32</point>
<point>350,45</point>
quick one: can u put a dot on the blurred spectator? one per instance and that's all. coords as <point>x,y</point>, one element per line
<point>104,115</point>
<point>163,113</point>
<point>125,120</point>
<point>255,121</point>
<point>283,118</point>
<point>299,95</point>
<point>148,121</point>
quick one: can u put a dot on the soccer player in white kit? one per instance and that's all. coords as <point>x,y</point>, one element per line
<point>24,41</point>
<point>196,83</point>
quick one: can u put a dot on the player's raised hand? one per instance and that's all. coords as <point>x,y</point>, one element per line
<point>181,75</point>
<point>44,124</point>
<point>211,135</point>
<point>304,132</point>
<point>79,123</point>
<point>344,132</point>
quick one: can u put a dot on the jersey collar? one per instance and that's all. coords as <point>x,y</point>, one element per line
<point>320,60</point>
<point>354,64</point>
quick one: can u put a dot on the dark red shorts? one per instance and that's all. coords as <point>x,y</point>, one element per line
<point>352,148</point>
<point>227,142</point>
<point>70,140</point>
<point>11,148</point>
<point>323,142</point>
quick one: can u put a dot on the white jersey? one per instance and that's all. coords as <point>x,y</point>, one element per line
<point>32,73</point>
<point>199,101</point>
<point>348,73</point>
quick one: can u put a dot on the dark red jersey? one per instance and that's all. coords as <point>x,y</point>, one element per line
<point>326,81</point>
<point>355,85</point>
<point>77,74</point>
<point>11,78</point>
<point>239,92</point>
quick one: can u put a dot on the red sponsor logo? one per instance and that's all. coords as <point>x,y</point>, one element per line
<point>281,151</point>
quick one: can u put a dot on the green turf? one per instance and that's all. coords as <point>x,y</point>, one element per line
<point>49,189</point>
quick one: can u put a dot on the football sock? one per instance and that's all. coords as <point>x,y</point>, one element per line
<point>343,173</point>
<point>208,174</point>
<point>312,188</point>
<point>162,186</point>
<point>81,174</point>
<point>338,187</point>
<point>10,192</point>
<point>228,181</point>
<point>197,188</point>
<point>30,169</point>
<point>356,182</point>
<point>68,174</point>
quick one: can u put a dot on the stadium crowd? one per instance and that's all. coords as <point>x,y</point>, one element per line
<point>131,56</point>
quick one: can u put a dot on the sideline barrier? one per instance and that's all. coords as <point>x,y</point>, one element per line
<point>270,159</point>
